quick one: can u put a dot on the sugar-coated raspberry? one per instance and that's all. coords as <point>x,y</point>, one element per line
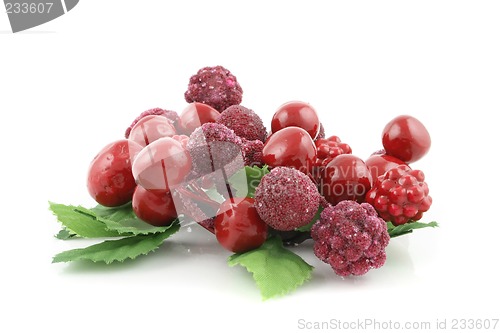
<point>401,195</point>
<point>286,199</point>
<point>215,86</point>
<point>351,238</point>
<point>213,147</point>
<point>170,115</point>
<point>244,122</point>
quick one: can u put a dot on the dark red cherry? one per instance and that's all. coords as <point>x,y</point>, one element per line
<point>346,177</point>
<point>290,147</point>
<point>155,207</point>
<point>298,114</point>
<point>406,138</point>
<point>151,128</point>
<point>380,164</point>
<point>197,114</point>
<point>238,226</point>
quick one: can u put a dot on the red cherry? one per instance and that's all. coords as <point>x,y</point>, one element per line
<point>298,114</point>
<point>110,181</point>
<point>291,147</point>
<point>161,165</point>
<point>380,164</point>
<point>197,114</point>
<point>238,226</point>
<point>155,207</point>
<point>406,138</point>
<point>151,128</point>
<point>346,177</point>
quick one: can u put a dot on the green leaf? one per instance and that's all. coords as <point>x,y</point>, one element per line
<point>315,218</point>
<point>121,220</point>
<point>117,250</point>
<point>276,270</point>
<point>247,179</point>
<point>80,224</point>
<point>65,234</point>
<point>407,228</point>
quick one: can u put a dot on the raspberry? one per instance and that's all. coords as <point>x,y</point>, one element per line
<point>286,199</point>
<point>215,86</point>
<point>170,115</point>
<point>351,238</point>
<point>400,195</point>
<point>244,122</point>
<point>330,148</point>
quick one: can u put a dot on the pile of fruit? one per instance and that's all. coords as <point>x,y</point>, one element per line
<point>215,164</point>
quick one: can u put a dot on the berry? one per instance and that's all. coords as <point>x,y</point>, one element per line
<point>346,177</point>
<point>155,207</point>
<point>214,147</point>
<point>170,115</point>
<point>110,181</point>
<point>298,114</point>
<point>238,227</point>
<point>291,147</point>
<point>401,195</point>
<point>162,165</point>
<point>351,238</point>
<point>151,128</point>
<point>215,86</point>
<point>195,115</point>
<point>286,199</point>
<point>328,149</point>
<point>406,138</point>
<point>183,139</point>
<point>380,164</point>
<point>244,122</point>
<point>252,151</point>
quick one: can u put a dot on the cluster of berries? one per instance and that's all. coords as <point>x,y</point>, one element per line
<point>169,165</point>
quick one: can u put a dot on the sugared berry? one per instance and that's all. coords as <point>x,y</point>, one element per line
<point>244,122</point>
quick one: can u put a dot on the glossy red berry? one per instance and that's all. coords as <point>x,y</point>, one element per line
<point>401,195</point>
<point>380,164</point>
<point>291,147</point>
<point>238,227</point>
<point>151,128</point>
<point>155,207</point>
<point>298,114</point>
<point>346,177</point>
<point>197,114</point>
<point>110,181</point>
<point>161,165</point>
<point>328,149</point>
<point>406,138</point>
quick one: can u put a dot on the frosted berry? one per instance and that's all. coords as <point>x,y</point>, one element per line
<point>351,238</point>
<point>401,195</point>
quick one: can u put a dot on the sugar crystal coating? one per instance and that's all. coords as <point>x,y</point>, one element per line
<point>351,238</point>
<point>286,199</point>
<point>252,151</point>
<point>244,122</point>
<point>215,86</point>
<point>170,115</point>
<point>214,147</point>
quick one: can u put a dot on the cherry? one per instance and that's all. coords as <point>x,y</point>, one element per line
<point>406,138</point>
<point>346,177</point>
<point>151,128</point>
<point>380,164</point>
<point>238,227</point>
<point>155,207</point>
<point>161,165</point>
<point>291,147</point>
<point>110,181</point>
<point>298,114</point>
<point>197,114</point>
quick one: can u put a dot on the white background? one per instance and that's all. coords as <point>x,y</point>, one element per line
<point>69,87</point>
